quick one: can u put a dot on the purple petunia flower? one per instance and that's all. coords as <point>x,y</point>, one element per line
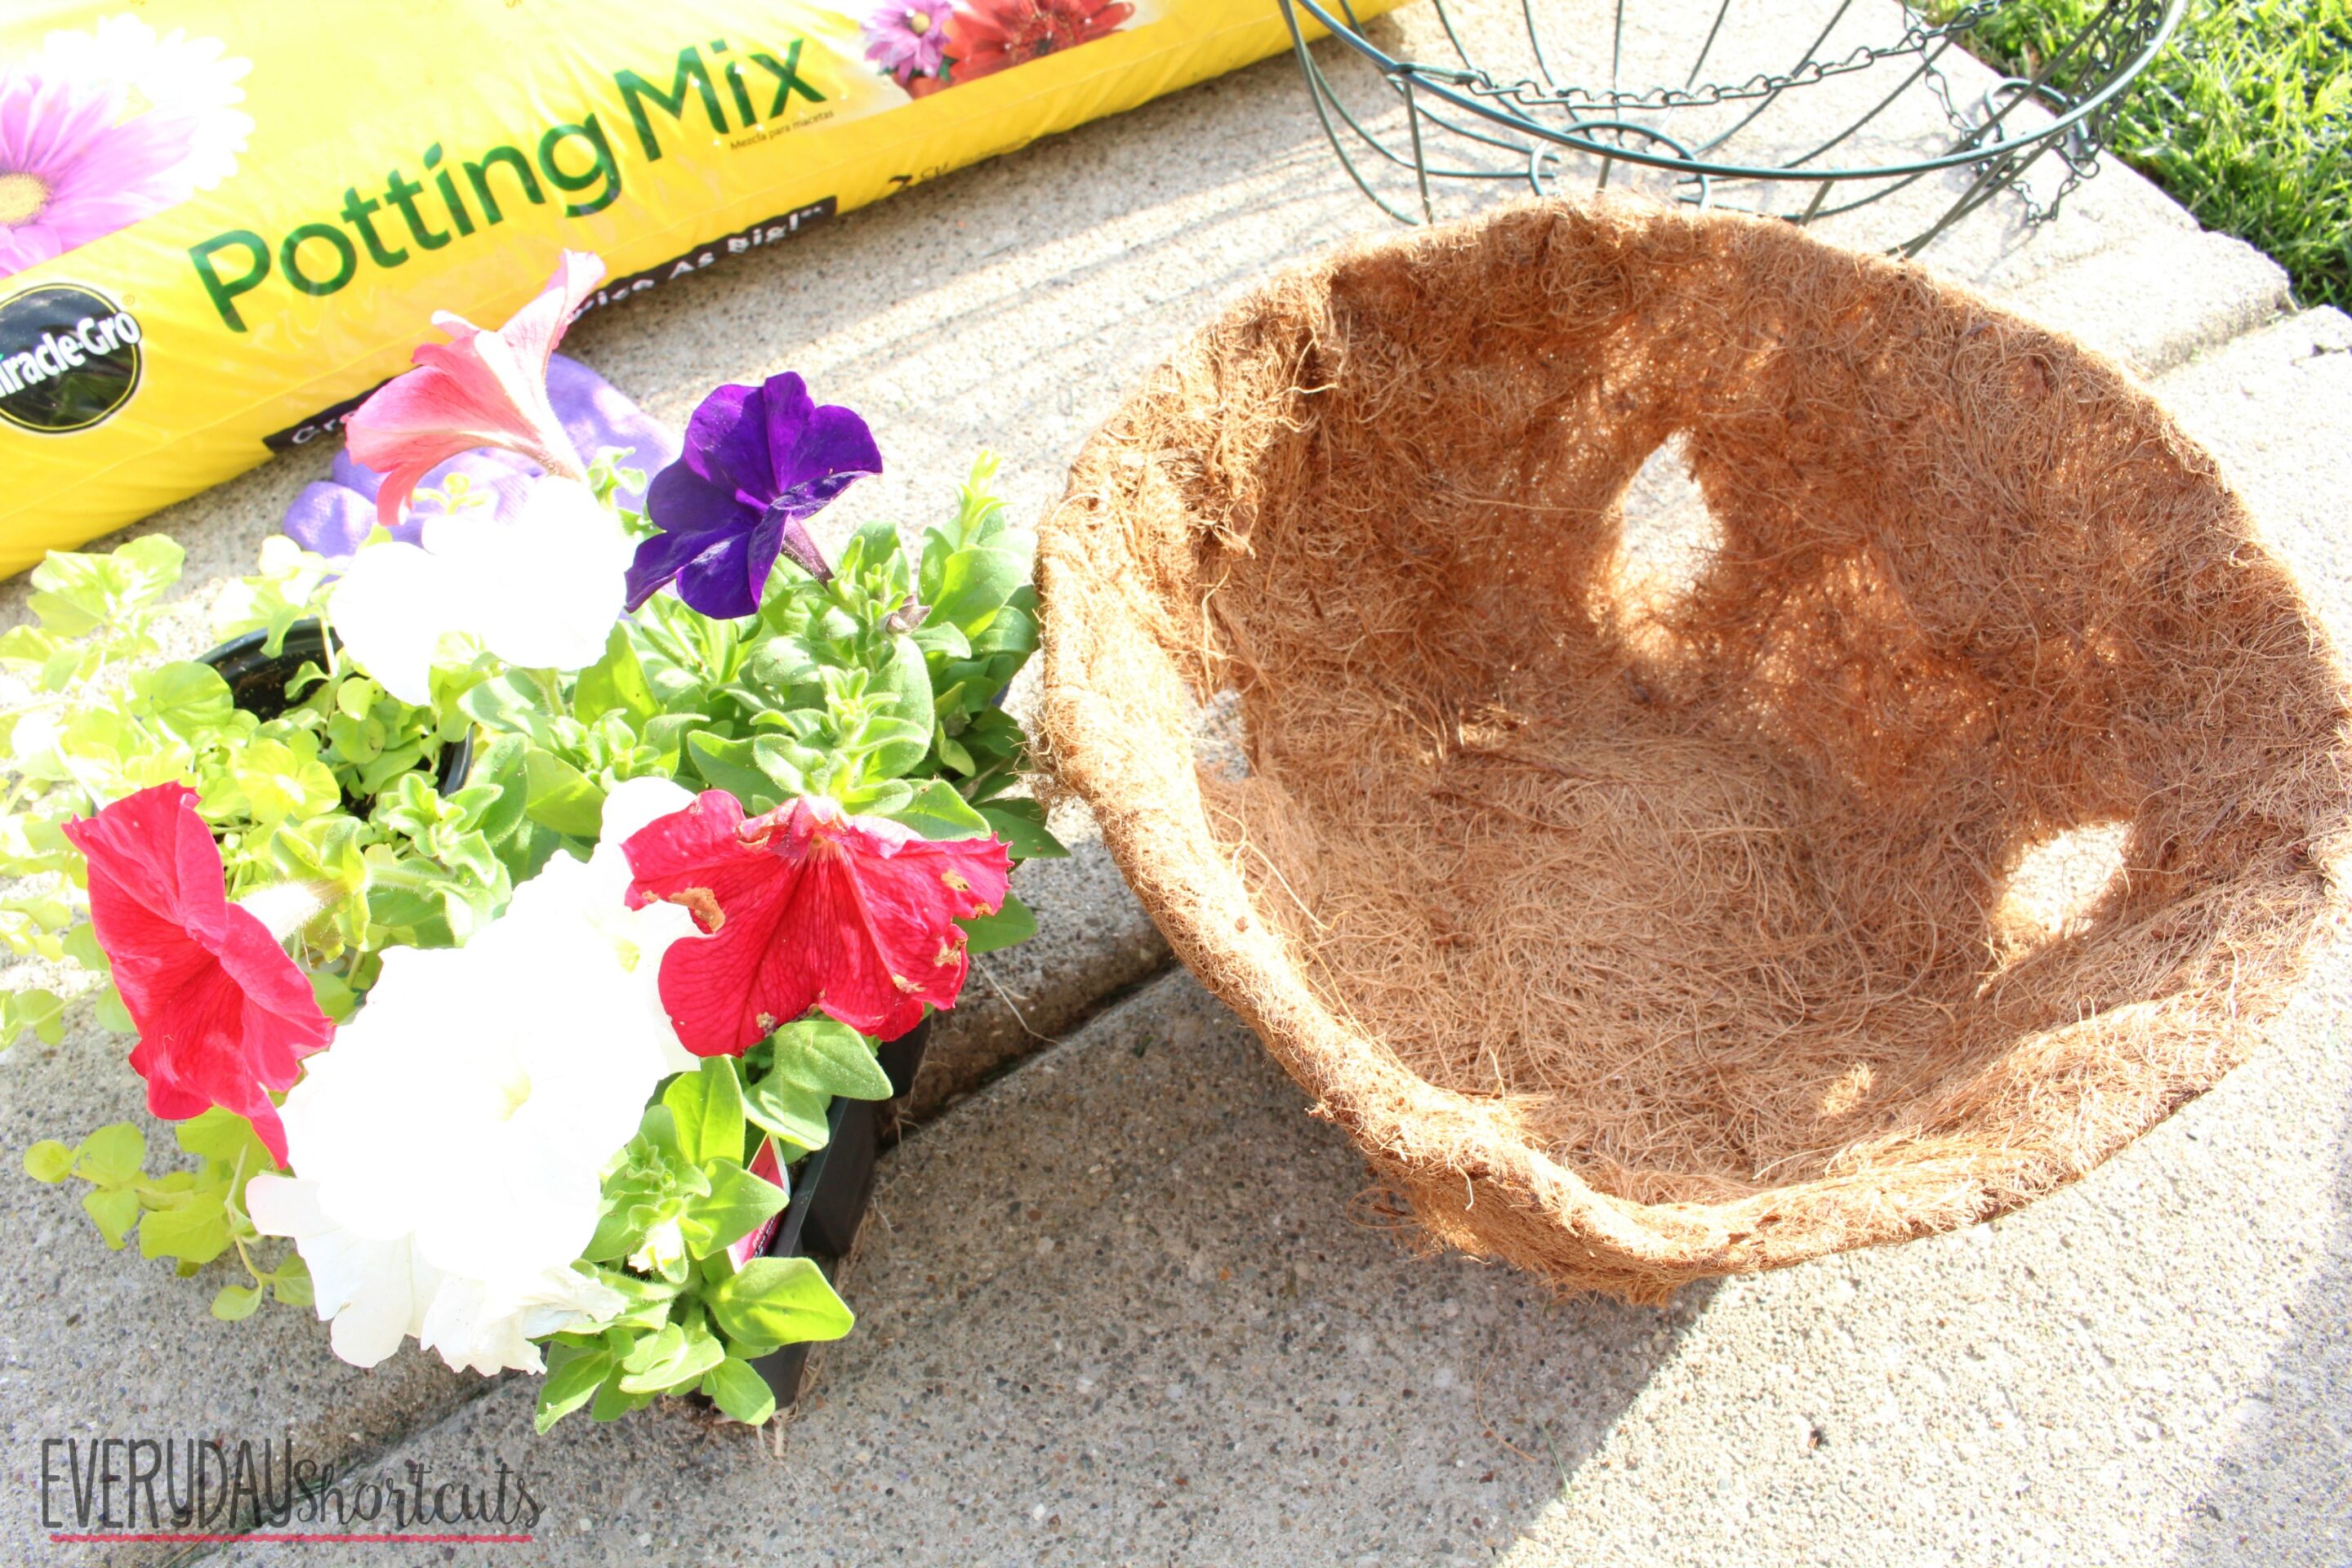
<point>334,517</point>
<point>72,170</point>
<point>760,461</point>
<point>908,37</point>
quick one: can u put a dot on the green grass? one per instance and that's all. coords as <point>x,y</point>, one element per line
<point>2246,119</point>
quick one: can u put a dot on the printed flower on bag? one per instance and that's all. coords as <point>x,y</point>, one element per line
<point>759,462</point>
<point>478,389</point>
<point>178,76</point>
<point>102,130</point>
<point>985,37</point>
<point>908,37</point>
<point>809,907</point>
<point>224,1014</point>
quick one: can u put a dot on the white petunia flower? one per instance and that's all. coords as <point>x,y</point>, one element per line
<point>540,584</point>
<point>447,1150</point>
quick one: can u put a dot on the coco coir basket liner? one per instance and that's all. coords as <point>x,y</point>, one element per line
<point>1642,926</point>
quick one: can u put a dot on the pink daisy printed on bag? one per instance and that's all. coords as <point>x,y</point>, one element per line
<point>105,128</point>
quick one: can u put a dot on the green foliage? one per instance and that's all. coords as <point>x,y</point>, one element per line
<point>332,793</point>
<point>878,687</point>
<point>679,1195</point>
<point>797,1073</point>
<point>2246,119</point>
<point>189,1216</point>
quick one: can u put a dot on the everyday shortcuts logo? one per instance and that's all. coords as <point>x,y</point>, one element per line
<point>196,1490</point>
<point>70,358</point>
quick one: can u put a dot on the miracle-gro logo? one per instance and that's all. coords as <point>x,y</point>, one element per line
<point>192,1488</point>
<point>69,357</point>
<point>574,158</point>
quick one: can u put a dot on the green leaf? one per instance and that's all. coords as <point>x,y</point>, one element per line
<point>223,1135</point>
<point>43,1012</point>
<point>777,1301</point>
<point>82,946</point>
<point>737,1203</point>
<point>115,1210</point>
<point>654,1349</point>
<point>236,1302</point>
<point>694,1353</point>
<point>788,764</point>
<point>1013,631</point>
<point>937,812</point>
<point>975,584</point>
<point>517,703</point>
<point>615,682</point>
<point>1007,927</point>
<point>611,1403</point>
<point>193,1226</point>
<point>732,765</point>
<point>905,680</point>
<point>889,746</point>
<point>1021,823</point>
<point>793,1111</point>
<point>292,1283</point>
<point>738,1391</point>
<point>707,1107</point>
<point>113,1154</point>
<point>106,1007</point>
<point>573,1375</point>
<point>831,1057</point>
<point>658,1127</point>
<point>943,637</point>
<point>78,593</point>
<point>953,753</point>
<point>561,796</point>
<point>283,779</point>
<point>648,1299</point>
<point>334,995</point>
<point>48,1160</point>
<point>187,698</point>
<point>502,766</point>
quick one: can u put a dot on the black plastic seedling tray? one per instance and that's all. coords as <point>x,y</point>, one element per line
<point>830,1191</point>
<point>257,679</point>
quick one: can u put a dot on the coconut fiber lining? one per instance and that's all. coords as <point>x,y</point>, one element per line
<point>1646,914</point>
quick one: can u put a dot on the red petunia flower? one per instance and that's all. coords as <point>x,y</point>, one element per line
<point>809,907</point>
<point>223,1014</point>
<point>985,37</point>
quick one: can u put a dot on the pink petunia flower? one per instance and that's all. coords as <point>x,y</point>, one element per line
<point>478,389</point>
<point>809,907</point>
<point>908,37</point>
<point>224,1014</point>
<point>72,170</point>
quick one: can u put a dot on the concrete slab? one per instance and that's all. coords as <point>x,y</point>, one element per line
<point>1014,303</point>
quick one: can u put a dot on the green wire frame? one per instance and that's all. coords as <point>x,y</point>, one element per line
<point>1451,110</point>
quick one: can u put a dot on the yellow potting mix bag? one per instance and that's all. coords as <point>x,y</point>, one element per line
<point>221,224</point>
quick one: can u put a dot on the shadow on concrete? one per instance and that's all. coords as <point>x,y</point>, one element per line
<point>2281,1495</point>
<point>1137,1300</point>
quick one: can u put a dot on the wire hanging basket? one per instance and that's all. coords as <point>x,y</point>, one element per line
<point>1703,104</point>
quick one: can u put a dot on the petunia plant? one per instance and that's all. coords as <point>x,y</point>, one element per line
<point>521,1061</point>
